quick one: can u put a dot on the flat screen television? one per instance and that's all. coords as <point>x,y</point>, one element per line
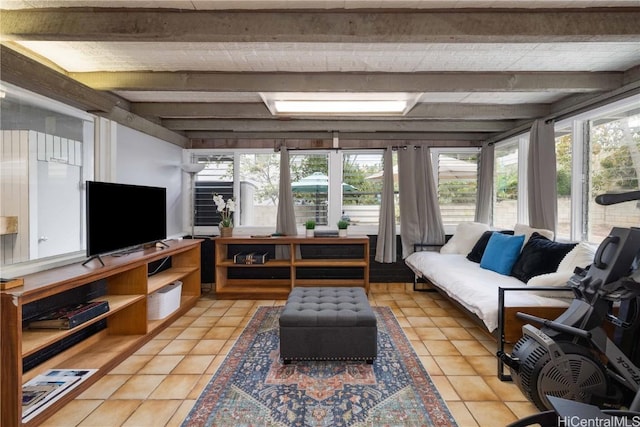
<point>121,216</point>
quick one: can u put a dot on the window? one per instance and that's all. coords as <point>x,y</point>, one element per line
<point>614,166</point>
<point>564,149</point>
<point>505,181</point>
<point>310,186</point>
<point>45,148</point>
<point>457,178</point>
<point>362,174</point>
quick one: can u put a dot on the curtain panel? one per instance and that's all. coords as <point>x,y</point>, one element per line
<point>386,243</point>
<point>420,217</point>
<point>484,196</point>
<point>541,176</point>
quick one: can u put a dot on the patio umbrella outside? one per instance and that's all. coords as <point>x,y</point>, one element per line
<point>316,184</point>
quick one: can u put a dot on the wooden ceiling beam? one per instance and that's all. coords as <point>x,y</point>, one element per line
<point>323,26</point>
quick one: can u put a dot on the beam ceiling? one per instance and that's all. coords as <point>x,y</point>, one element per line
<point>481,102</point>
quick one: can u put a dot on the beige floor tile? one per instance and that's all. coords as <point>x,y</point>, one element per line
<point>421,321</point>
<point>208,347</point>
<point>407,303</point>
<point>491,414</point>
<point>454,365</point>
<point>484,365</point>
<point>104,387</point>
<point>111,413</point>
<point>441,348</point>
<point>237,311</point>
<point>153,347</point>
<point>152,413</point>
<point>219,332</point>
<point>444,387</point>
<point>430,365</point>
<point>445,322</point>
<point>132,364</point>
<point>138,387</point>
<point>420,348</point>
<point>508,391</point>
<point>72,413</point>
<point>216,311</point>
<point>193,333</point>
<point>472,348</point>
<point>181,413</point>
<point>472,388</point>
<point>161,364</point>
<point>179,346</point>
<point>196,311</point>
<point>522,409</point>
<point>199,386</point>
<point>430,334</point>
<point>437,312</point>
<point>193,364</point>
<point>169,333</point>
<point>205,322</point>
<point>183,321</point>
<point>410,333</point>
<point>456,333</point>
<point>217,361</point>
<point>230,321</point>
<point>175,387</point>
<point>462,415</point>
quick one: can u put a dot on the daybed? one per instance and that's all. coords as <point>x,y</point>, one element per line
<point>471,270</point>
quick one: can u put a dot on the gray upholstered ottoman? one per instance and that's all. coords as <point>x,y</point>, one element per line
<point>326,323</point>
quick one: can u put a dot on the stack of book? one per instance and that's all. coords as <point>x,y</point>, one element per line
<point>251,258</point>
<point>70,316</point>
<point>43,390</point>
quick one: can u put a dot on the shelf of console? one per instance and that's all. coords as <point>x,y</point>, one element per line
<point>268,287</point>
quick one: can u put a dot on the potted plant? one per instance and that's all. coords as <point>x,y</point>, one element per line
<point>226,210</point>
<point>310,225</point>
<point>342,228</point>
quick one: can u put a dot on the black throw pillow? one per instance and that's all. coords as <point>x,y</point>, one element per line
<point>478,249</point>
<point>539,256</point>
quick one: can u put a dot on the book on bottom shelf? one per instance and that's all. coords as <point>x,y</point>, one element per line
<point>43,390</point>
<point>69,316</point>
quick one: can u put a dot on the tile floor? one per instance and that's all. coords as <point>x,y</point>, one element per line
<point>158,385</point>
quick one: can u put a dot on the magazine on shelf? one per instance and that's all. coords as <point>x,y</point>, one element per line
<point>70,316</point>
<point>40,392</point>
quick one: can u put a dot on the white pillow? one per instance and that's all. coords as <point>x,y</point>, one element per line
<point>580,256</point>
<point>464,238</point>
<point>528,231</point>
<point>559,278</point>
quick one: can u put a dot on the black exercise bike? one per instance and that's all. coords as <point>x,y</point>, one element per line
<point>570,362</point>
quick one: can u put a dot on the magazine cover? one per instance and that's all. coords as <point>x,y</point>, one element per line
<point>40,392</point>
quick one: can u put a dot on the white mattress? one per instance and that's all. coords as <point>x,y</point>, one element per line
<point>473,287</point>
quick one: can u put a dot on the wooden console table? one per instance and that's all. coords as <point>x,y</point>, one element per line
<point>128,282</point>
<point>279,288</point>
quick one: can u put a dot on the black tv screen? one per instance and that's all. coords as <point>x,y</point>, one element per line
<point>121,216</point>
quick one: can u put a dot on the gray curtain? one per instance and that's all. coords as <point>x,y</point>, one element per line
<point>420,217</point>
<point>484,195</point>
<point>386,243</point>
<point>541,176</point>
<point>286,217</point>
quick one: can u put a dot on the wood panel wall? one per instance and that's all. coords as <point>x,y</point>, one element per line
<point>14,193</point>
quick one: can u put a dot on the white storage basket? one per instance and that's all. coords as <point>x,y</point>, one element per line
<point>164,301</point>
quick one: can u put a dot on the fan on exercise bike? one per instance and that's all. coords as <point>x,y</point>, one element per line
<point>572,357</point>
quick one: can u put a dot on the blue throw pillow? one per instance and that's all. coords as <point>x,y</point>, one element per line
<point>501,253</point>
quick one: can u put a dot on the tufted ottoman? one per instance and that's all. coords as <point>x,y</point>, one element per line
<point>326,323</point>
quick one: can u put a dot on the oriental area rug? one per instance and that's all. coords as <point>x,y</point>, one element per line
<point>253,388</point>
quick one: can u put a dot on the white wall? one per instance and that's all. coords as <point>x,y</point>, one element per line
<point>145,160</point>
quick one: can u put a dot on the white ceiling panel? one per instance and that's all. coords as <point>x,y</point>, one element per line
<point>337,57</point>
<point>182,96</point>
